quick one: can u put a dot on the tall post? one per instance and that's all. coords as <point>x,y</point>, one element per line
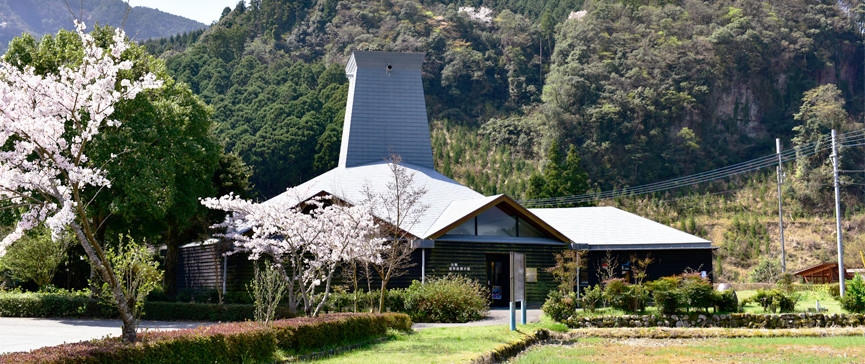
<point>838,215</point>
<point>780,206</point>
<point>423,266</point>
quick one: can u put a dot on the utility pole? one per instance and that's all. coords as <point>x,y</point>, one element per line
<point>780,206</point>
<point>838,215</point>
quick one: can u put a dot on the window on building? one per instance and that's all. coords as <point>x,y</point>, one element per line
<point>498,222</point>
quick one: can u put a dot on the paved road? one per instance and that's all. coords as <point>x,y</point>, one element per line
<point>495,317</point>
<point>25,334</point>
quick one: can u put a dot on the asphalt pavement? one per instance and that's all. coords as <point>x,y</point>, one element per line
<point>25,334</point>
<point>496,316</point>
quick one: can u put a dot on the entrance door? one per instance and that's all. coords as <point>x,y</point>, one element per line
<point>499,279</point>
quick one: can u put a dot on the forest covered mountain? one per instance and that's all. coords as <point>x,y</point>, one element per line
<point>563,97</point>
<point>40,17</point>
<point>644,92</point>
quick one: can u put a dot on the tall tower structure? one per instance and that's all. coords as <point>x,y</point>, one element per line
<point>386,111</point>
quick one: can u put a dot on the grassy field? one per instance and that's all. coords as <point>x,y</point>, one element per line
<point>437,345</point>
<point>823,350</point>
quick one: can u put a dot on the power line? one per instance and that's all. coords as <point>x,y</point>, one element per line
<point>821,144</point>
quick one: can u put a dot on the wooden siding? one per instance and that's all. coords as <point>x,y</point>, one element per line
<point>470,259</point>
<point>666,262</point>
<point>200,268</point>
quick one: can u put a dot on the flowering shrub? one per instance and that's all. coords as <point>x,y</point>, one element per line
<point>452,298</point>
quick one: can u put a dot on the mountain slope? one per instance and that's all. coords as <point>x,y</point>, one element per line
<point>40,17</point>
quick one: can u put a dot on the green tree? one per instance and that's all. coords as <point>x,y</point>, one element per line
<point>35,257</point>
<point>560,176</point>
<point>168,155</point>
<point>822,110</point>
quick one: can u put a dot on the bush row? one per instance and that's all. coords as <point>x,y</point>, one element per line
<point>79,304</point>
<point>734,320</point>
<point>224,343</point>
<point>450,298</point>
<point>670,295</point>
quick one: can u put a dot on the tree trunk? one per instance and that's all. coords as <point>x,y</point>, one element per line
<point>97,260</point>
<point>382,294</point>
<point>172,256</point>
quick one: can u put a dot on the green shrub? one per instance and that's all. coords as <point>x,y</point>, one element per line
<point>559,306</point>
<point>53,304</point>
<point>593,298</point>
<point>774,300</point>
<point>626,297</point>
<point>667,295</point>
<point>79,304</point>
<point>452,298</point>
<point>697,292</point>
<point>854,296</point>
<point>725,301</point>
<point>832,289</point>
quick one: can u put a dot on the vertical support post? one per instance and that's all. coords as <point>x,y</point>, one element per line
<point>523,312</point>
<point>423,266</point>
<point>780,206</point>
<point>838,215</point>
<point>513,316</point>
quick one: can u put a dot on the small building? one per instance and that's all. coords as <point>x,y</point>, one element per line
<point>462,231</point>
<point>822,273</point>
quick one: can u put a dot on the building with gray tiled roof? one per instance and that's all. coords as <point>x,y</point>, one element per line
<point>464,231</point>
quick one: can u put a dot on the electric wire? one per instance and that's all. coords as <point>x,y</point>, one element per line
<point>822,143</point>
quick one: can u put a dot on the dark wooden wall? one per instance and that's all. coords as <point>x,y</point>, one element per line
<point>470,259</point>
<point>665,262</point>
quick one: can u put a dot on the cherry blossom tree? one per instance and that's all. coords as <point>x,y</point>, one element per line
<point>401,204</point>
<point>47,124</point>
<point>308,239</point>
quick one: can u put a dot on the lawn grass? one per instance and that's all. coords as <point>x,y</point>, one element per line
<point>434,345</point>
<point>823,350</point>
<point>455,344</point>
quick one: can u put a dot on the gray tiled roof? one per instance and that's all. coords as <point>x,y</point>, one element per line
<point>457,209</point>
<point>348,184</point>
<point>386,112</point>
<point>608,228</point>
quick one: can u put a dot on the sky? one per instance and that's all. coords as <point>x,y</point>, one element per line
<point>205,11</point>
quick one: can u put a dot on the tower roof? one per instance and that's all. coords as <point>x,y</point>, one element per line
<point>386,113</point>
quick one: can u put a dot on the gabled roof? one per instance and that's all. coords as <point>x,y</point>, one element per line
<point>460,211</point>
<point>608,228</point>
<point>347,184</point>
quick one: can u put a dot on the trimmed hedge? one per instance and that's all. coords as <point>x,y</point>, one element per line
<point>79,304</point>
<point>54,304</point>
<point>224,343</point>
